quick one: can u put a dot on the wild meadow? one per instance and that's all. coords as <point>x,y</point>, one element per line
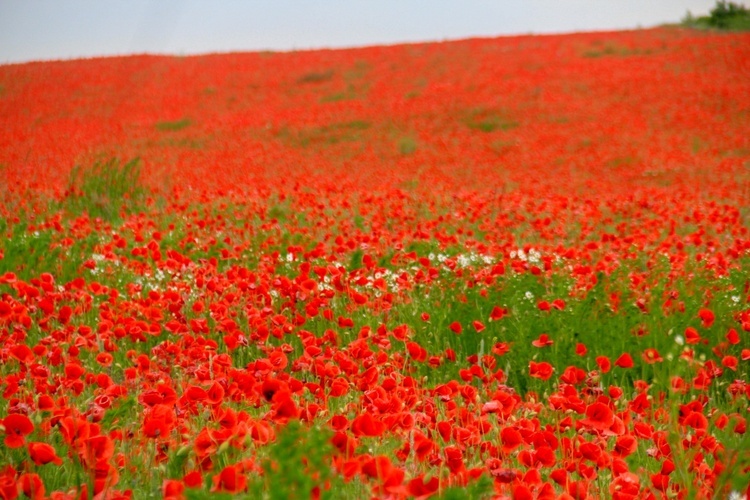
<point>493,268</point>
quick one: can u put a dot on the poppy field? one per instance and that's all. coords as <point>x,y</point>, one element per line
<point>491,268</point>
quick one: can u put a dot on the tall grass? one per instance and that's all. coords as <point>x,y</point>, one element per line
<point>105,190</point>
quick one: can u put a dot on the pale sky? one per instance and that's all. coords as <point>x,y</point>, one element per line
<point>63,29</point>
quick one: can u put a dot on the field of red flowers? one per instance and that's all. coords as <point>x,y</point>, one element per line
<point>513,268</point>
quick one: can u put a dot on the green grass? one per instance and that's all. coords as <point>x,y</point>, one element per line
<point>407,145</point>
<point>173,126</point>
<point>104,190</point>
<point>489,120</point>
<point>316,76</point>
<point>335,133</point>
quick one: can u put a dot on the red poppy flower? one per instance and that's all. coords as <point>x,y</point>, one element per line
<point>32,486</point>
<point>74,430</point>
<point>573,375</point>
<point>193,479</point>
<point>581,349</point>
<point>625,486</point>
<point>155,428</point>
<point>455,327</point>
<point>590,451</point>
<point>625,445</point>
<point>416,351</point>
<point>651,356</point>
<point>173,489</point>
<point>511,439</point>
<point>522,492</point>
<point>692,336</point>
<point>230,480</point>
<point>696,420</point>
<point>382,468</point>
<point>604,363</point>
<point>204,443</point>
<point>707,317</point>
<point>733,337</point>
<point>105,359</point>
<point>17,427</point>
<point>498,313</point>
<point>660,481</point>
<point>98,449</point>
<point>6,311</point>
<point>541,370</point>
<point>420,489</point>
<point>22,353</point>
<point>262,432</point>
<point>542,341</point>
<point>423,446</point>
<point>454,459</point>
<point>367,425</point>
<point>43,453</point>
<point>624,361</point>
<point>599,416</point>
<point>284,406</point>
<point>730,362</point>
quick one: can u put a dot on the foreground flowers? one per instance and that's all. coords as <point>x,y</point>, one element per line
<point>379,281</point>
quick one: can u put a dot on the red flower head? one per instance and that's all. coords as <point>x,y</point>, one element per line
<point>230,479</point>
<point>366,425</point>
<point>692,336</point>
<point>418,488</point>
<point>173,489</point>
<point>733,337</point>
<point>511,439</point>
<point>541,370</point>
<point>604,363</point>
<point>651,356</point>
<point>707,317</point>
<point>624,361</point>
<point>42,453</point>
<point>454,459</point>
<point>498,313</point>
<point>599,416</point>
<point>32,486</point>
<point>542,341</point>
<point>17,427</point>
<point>581,349</point>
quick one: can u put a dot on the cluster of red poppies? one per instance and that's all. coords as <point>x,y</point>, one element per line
<point>516,266</point>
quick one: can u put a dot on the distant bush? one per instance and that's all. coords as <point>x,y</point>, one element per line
<point>724,15</point>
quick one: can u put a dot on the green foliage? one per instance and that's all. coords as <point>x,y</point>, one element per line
<point>194,494</point>
<point>724,16</point>
<point>613,49</point>
<point>351,92</point>
<point>489,120</point>
<point>298,462</point>
<point>173,126</point>
<point>481,488</point>
<point>334,133</point>
<point>355,261</point>
<point>316,76</point>
<point>407,145</point>
<point>104,190</point>
<point>30,253</point>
